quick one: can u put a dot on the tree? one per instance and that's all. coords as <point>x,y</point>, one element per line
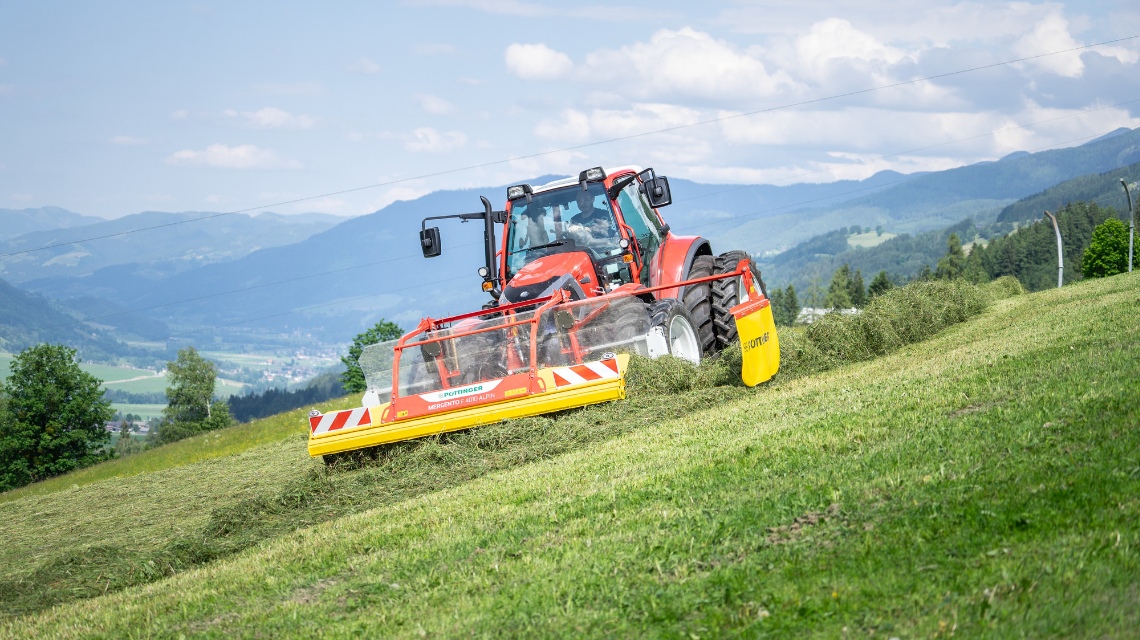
<point>191,408</point>
<point>838,296</point>
<point>953,265</point>
<point>924,274</point>
<point>1107,254</point>
<point>880,284</point>
<point>856,291</point>
<point>52,417</point>
<point>353,377</point>
<point>776,301</point>
<point>791,305</point>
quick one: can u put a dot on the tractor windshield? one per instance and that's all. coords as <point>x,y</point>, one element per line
<point>567,219</point>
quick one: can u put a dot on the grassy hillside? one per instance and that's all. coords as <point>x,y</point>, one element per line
<point>983,482</point>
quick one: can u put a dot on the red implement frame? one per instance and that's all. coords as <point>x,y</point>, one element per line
<point>530,379</point>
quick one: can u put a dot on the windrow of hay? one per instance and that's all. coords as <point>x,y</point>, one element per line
<point>897,318</point>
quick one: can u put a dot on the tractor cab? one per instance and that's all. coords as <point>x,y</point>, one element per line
<point>601,229</point>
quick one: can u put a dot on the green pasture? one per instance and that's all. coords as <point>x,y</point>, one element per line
<point>869,239</point>
<point>147,411</point>
<point>982,482</point>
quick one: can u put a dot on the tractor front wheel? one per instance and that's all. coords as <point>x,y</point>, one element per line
<point>678,328</point>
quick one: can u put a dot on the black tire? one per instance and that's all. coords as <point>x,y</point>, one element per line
<point>662,314</point>
<point>625,320</point>
<point>698,300</point>
<point>725,295</point>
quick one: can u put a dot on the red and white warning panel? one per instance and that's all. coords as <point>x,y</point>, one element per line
<point>347,419</point>
<point>586,372</point>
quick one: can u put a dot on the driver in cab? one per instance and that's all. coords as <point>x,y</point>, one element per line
<point>593,226</point>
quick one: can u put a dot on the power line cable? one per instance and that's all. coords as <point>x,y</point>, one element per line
<point>582,146</point>
<point>868,188</point>
<point>754,214</point>
<point>916,150</point>
<point>437,282</point>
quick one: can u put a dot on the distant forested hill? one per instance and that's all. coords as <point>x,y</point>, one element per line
<point>169,249</point>
<point>17,222</point>
<point>27,319</point>
<point>1102,188</point>
<point>1028,254</point>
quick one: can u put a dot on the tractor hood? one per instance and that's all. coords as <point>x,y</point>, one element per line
<point>573,271</point>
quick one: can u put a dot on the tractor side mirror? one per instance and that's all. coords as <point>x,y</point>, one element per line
<point>429,242</point>
<point>656,189</point>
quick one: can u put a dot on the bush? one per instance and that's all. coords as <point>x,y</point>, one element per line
<point>1107,254</point>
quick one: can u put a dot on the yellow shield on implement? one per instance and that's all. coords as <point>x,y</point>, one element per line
<point>759,345</point>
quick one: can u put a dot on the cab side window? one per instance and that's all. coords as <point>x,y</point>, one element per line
<point>640,217</point>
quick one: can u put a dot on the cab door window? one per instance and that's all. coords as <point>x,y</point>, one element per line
<point>641,218</point>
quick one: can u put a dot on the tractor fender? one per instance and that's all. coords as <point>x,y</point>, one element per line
<point>676,257</point>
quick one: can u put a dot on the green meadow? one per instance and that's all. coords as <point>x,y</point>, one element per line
<point>916,472</point>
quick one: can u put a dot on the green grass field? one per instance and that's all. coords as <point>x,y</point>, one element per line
<point>984,482</point>
<point>869,239</point>
<point>146,411</point>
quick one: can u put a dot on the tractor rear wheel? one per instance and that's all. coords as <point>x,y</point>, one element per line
<point>727,293</point>
<point>698,300</point>
<point>678,327</point>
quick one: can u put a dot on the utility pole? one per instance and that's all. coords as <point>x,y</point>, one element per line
<point>1060,255</point>
<point>1131,222</point>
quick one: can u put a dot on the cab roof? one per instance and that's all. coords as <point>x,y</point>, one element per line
<point>566,182</point>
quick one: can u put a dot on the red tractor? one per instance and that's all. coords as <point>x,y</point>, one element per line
<point>587,273</point>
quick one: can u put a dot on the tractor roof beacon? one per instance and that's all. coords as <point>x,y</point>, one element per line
<point>587,271</point>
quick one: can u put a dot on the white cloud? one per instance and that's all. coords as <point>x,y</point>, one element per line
<point>3,62</point>
<point>365,66</point>
<point>674,65</point>
<point>434,105</point>
<point>537,62</point>
<point>21,197</point>
<point>836,41</point>
<point>428,140</point>
<point>1052,34</point>
<point>244,156</point>
<point>474,82</point>
<point>5,89</point>
<point>128,141</point>
<point>180,114</point>
<point>272,118</point>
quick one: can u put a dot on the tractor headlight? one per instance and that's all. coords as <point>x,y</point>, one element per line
<point>592,175</point>
<point>518,191</point>
<point>483,272</point>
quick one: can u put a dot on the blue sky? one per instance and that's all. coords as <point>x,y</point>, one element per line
<point>116,107</point>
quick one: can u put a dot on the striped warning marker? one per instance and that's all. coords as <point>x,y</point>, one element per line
<point>587,372</point>
<point>346,419</point>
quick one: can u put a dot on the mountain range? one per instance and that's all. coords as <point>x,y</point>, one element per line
<point>334,282</point>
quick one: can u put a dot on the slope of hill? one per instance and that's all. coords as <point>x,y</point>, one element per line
<point>27,319</point>
<point>17,222</point>
<point>1102,188</point>
<point>814,260</point>
<point>176,248</point>
<point>978,483</point>
<point>937,200</point>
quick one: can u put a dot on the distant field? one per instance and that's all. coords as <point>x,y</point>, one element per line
<point>158,383</point>
<point>105,372</point>
<point>868,240</point>
<point>147,411</point>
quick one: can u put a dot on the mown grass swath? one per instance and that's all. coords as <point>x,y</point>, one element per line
<point>916,489</point>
